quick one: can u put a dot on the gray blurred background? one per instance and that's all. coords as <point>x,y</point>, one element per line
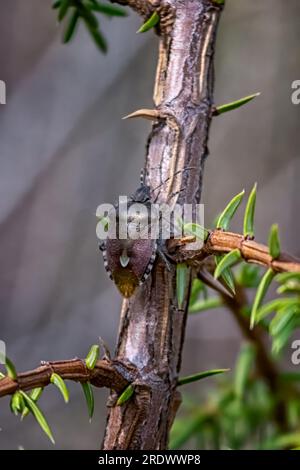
<point>64,149</point>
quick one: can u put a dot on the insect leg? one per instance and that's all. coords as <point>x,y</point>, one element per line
<point>163,254</point>
<point>102,246</point>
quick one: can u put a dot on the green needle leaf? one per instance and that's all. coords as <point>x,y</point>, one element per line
<point>104,221</point>
<point>198,288</point>
<point>229,211</point>
<point>275,305</point>
<point>56,380</point>
<point>286,277</point>
<point>227,261</point>
<point>260,294</point>
<point>89,397</point>
<point>98,38</point>
<point>35,395</point>
<point>249,214</point>
<point>2,376</point>
<point>150,23</point>
<point>35,410</point>
<point>92,357</point>
<point>107,9</point>
<point>227,275</point>
<point>89,17</point>
<point>63,9</point>
<point>10,368</point>
<point>290,288</point>
<point>200,375</point>
<point>182,280</point>
<point>126,395</point>
<point>17,403</point>
<point>243,368</point>
<point>274,243</point>
<point>71,27</point>
<point>286,331</point>
<point>281,319</point>
<point>203,305</point>
<point>234,104</point>
<point>228,278</point>
<point>196,230</point>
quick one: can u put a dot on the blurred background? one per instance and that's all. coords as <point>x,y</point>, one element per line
<point>64,150</point>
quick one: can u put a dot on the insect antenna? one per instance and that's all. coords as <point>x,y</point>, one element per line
<point>169,177</point>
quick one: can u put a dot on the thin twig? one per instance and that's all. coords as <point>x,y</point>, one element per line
<point>110,374</point>
<point>219,242</point>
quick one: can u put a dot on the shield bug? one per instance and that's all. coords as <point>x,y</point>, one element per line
<point>129,259</point>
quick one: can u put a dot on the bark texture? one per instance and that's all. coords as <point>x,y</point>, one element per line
<point>152,326</point>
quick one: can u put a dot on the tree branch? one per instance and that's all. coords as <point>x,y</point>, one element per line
<point>152,327</point>
<point>219,242</point>
<point>106,373</point>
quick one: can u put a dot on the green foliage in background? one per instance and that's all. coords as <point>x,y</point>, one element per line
<point>88,12</point>
<point>249,408</point>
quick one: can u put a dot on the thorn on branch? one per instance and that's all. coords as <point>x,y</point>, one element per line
<point>151,114</point>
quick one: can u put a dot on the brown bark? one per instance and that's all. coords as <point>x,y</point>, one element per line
<point>152,326</point>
